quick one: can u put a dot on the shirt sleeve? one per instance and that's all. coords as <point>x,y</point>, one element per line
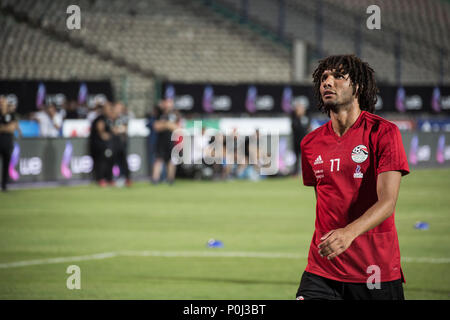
<point>58,120</point>
<point>39,116</point>
<point>309,179</point>
<point>390,152</point>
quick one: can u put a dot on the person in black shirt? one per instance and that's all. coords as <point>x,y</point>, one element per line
<point>101,146</point>
<point>120,137</point>
<point>71,110</point>
<point>8,125</point>
<point>166,121</point>
<point>152,138</point>
<point>300,125</point>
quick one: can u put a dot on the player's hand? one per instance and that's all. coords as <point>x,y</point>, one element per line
<point>172,126</point>
<point>334,243</point>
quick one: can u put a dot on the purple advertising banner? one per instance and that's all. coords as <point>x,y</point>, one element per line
<point>32,95</point>
<point>252,98</point>
<point>204,98</point>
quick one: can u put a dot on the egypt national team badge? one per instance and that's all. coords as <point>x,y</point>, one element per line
<point>360,153</point>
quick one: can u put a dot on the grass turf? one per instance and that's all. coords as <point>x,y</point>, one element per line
<point>274,215</point>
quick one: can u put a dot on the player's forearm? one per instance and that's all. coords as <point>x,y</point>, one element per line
<point>8,128</point>
<point>160,125</point>
<point>375,215</point>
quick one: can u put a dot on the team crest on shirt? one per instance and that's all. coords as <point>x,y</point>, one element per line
<point>358,174</point>
<point>360,153</point>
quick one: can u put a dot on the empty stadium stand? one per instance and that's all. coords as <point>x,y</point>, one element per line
<point>137,43</point>
<point>419,29</point>
<point>168,39</point>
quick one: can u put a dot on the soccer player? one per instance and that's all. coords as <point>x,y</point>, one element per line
<point>355,162</point>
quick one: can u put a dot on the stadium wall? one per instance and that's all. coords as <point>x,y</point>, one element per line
<point>67,160</point>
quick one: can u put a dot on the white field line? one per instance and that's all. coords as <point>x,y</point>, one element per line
<point>426,260</point>
<point>210,254</point>
<point>26,263</point>
<point>188,254</point>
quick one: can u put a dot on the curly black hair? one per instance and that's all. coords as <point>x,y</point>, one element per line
<point>360,73</point>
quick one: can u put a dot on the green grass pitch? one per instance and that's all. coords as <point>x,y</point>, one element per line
<point>273,216</point>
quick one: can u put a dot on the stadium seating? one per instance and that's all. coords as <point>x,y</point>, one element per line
<point>174,40</point>
<point>423,26</point>
<point>31,54</point>
<point>134,43</point>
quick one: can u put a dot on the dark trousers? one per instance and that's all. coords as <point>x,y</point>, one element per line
<point>120,157</point>
<point>5,153</point>
<point>103,157</point>
<point>297,152</point>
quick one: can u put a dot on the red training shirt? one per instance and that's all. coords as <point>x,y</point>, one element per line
<point>344,172</point>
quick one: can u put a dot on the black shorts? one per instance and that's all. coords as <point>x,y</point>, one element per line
<point>164,150</point>
<point>314,287</point>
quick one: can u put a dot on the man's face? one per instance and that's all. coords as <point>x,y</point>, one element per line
<point>3,104</point>
<point>12,107</point>
<point>300,110</point>
<point>107,110</point>
<point>51,110</point>
<point>166,105</point>
<point>118,109</point>
<point>72,106</point>
<point>335,89</point>
<point>169,105</point>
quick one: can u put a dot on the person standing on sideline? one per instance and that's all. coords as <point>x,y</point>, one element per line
<point>101,146</point>
<point>300,125</point>
<point>166,121</point>
<point>8,124</point>
<point>50,121</point>
<point>120,140</point>
<point>355,163</point>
